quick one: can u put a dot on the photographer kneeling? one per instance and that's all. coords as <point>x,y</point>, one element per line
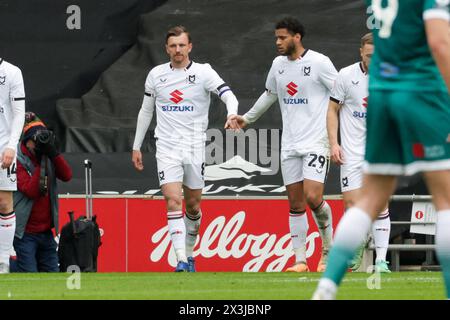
<point>39,164</point>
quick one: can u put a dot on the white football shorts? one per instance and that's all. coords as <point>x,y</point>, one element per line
<point>299,165</point>
<point>8,178</point>
<point>351,175</point>
<point>184,164</point>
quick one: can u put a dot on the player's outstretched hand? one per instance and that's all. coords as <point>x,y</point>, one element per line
<point>137,160</point>
<point>235,122</point>
<point>336,154</point>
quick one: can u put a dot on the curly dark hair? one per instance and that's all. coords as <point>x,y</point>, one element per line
<point>292,25</point>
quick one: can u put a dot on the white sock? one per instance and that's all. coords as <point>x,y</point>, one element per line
<point>381,230</point>
<point>326,290</point>
<point>7,230</point>
<point>324,220</point>
<point>192,223</point>
<point>177,231</point>
<point>352,229</point>
<point>298,225</point>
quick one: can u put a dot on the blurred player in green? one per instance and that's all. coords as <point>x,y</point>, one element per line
<point>408,125</point>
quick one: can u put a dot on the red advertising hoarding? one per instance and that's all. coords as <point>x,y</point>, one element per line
<point>235,235</point>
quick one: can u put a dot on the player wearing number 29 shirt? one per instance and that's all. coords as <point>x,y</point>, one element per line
<point>408,125</point>
<point>301,79</point>
<point>180,90</point>
<point>12,117</point>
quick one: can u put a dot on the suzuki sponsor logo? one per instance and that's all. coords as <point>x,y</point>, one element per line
<point>226,240</point>
<point>295,101</point>
<point>292,88</point>
<point>361,114</point>
<point>358,114</point>
<point>292,91</point>
<point>178,108</point>
<point>176,96</point>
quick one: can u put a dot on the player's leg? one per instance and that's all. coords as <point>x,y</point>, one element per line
<point>170,175</point>
<point>298,226</point>
<point>176,227</point>
<point>382,143</point>
<point>315,168</point>
<point>291,170</point>
<point>193,183</point>
<point>438,183</point>
<point>7,228</point>
<point>352,230</point>
<point>381,230</point>
<point>350,197</point>
<point>192,220</point>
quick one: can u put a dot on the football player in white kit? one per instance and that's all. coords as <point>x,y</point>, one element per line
<point>181,91</point>
<point>302,80</point>
<point>12,117</point>
<point>348,107</point>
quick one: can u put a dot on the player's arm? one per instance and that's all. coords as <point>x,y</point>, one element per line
<point>143,122</point>
<point>264,102</point>
<point>261,105</point>
<point>438,36</point>
<point>17,96</point>
<point>332,129</point>
<point>338,94</point>
<point>227,96</point>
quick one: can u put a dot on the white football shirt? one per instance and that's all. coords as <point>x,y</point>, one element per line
<point>303,87</point>
<point>182,99</point>
<point>351,92</point>
<point>11,89</point>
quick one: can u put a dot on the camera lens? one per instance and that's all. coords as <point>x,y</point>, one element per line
<point>43,137</point>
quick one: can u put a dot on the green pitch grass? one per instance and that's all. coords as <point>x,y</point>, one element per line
<point>217,286</point>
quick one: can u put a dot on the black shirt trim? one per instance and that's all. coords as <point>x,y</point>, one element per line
<point>361,67</point>
<point>188,66</point>
<point>335,100</point>
<point>221,86</point>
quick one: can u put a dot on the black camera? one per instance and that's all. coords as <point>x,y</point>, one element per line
<point>42,137</point>
<point>46,144</point>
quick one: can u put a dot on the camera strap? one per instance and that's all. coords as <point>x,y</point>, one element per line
<point>43,179</point>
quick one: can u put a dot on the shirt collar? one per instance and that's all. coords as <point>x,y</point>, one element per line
<point>185,69</point>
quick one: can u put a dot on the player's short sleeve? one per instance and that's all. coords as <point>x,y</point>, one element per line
<point>339,91</point>
<point>328,73</point>
<point>213,82</point>
<point>271,81</point>
<point>436,9</point>
<point>17,91</point>
<point>149,85</point>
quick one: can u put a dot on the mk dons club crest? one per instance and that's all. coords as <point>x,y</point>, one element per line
<point>307,71</point>
<point>2,80</point>
<point>191,79</point>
